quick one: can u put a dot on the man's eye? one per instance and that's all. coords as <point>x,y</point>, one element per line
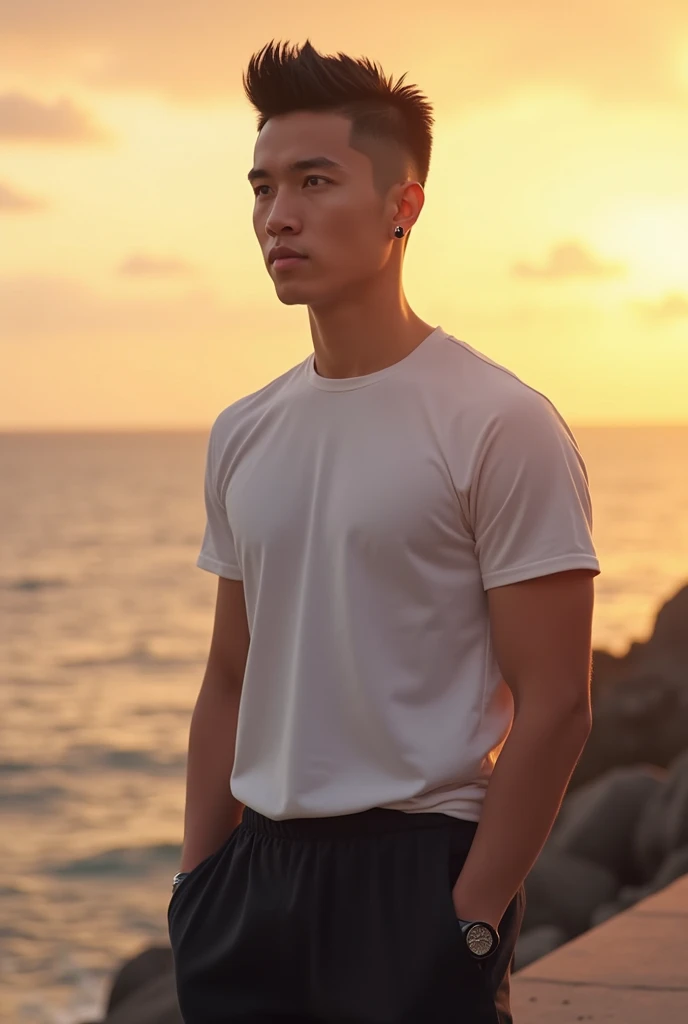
<point>311,177</point>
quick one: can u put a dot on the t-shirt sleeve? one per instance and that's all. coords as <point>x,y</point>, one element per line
<point>529,500</point>
<point>218,553</point>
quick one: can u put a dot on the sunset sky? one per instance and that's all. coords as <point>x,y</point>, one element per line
<point>554,236</point>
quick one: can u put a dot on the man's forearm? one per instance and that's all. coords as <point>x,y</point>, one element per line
<point>522,800</point>
<point>211,812</point>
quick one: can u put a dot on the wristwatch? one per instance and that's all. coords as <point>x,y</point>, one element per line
<point>481,938</point>
<point>178,879</point>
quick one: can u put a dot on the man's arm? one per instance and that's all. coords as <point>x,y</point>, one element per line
<point>212,812</point>
<point>541,631</point>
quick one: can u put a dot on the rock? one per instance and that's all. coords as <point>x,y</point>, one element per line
<point>603,913</point>
<point>155,1002</point>
<point>640,699</point>
<point>536,943</point>
<point>564,890</point>
<point>607,669</point>
<point>626,898</point>
<point>669,640</point>
<point>632,894</point>
<point>642,720</point>
<point>598,821</point>
<point>666,650</point>
<point>675,866</point>
<point>676,823</point>
<point>148,965</point>
<point>649,838</point>
<point>662,826</point>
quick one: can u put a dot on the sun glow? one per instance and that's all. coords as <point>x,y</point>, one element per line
<point>682,64</point>
<point>652,239</point>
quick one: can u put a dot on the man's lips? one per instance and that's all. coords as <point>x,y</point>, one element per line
<point>279,252</point>
<point>282,263</point>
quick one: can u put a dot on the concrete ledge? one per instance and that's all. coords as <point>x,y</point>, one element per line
<point>633,969</point>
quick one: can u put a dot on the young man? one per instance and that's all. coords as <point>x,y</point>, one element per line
<point>398,679</point>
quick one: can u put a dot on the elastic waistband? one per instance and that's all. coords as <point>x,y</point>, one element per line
<point>375,821</point>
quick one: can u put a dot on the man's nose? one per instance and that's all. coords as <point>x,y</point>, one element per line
<point>282,215</point>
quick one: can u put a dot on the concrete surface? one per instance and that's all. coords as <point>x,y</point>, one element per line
<point>633,969</point>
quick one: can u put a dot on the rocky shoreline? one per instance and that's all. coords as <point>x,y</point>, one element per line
<point>621,834</point>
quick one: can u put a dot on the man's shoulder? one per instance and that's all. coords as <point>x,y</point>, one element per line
<point>244,410</point>
<point>492,388</point>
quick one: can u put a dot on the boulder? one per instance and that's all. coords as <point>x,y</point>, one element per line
<point>607,669</point>
<point>536,943</point>
<point>598,821</point>
<point>666,649</point>
<point>669,640</point>
<point>626,898</point>
<point>144,990</point>
<point>564,890</point>
<point>155,1002</point>
<point>640,699</point>
<point>641,720</point>
<point>675,866</point>
<point>676,821</point>
<point>603,913</point>
<point>662,826</point>
<point>135,974</point>
<point>649,839</point>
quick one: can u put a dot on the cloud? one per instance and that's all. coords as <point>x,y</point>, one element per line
<point>12,201</point>
<point>196,51</point>
<point>140,265</point>
<point>568,260</point>
<point>25,119</point>
<point>36,307</point>
<point>672,307</point>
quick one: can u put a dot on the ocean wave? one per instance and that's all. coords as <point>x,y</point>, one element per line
<point>155,711</point>
<point>92,757</point>
<point>36,798</point>
<point>135,759</point>
<point>32,583</point>
<point>18,767</point>
<point>127,861</point>
<point>139,655</point>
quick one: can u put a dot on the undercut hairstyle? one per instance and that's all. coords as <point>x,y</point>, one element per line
<point>390,122</point>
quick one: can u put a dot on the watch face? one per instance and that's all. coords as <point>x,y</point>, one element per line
<point>479,940</point>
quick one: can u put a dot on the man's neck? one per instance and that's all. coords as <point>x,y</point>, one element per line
<point>347,344</point>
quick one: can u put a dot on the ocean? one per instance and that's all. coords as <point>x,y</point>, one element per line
<point>105,624</point>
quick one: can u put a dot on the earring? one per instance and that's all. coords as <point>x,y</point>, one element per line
<point>399,231</point>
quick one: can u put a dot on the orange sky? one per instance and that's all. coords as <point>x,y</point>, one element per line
<point>554,236</point>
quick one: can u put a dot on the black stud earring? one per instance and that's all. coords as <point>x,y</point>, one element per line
<point>399,231</point>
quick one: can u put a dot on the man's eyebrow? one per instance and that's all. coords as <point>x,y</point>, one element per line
<point>309,164</point>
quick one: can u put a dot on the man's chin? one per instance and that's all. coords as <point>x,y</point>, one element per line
<point>293,293</point>
<point>292,299</point>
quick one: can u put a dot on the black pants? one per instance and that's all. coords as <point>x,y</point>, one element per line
<point>340,920</point>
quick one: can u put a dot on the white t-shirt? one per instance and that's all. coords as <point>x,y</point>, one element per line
<point>367,516</point>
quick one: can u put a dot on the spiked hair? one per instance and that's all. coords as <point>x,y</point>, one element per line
<point>391,123</point>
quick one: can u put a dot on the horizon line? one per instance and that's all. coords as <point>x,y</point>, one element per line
<point>204,427</point>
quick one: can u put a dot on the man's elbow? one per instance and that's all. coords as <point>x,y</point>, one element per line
<point>557,713</point>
